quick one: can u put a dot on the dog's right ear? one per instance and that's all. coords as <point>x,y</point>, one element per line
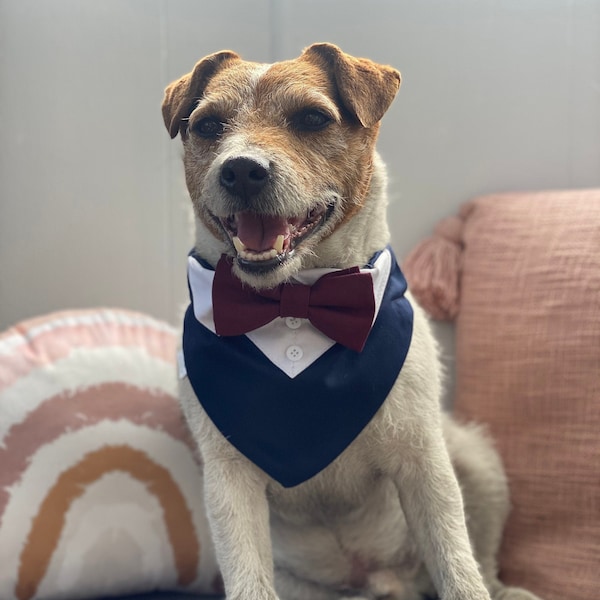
<point>366,88</point>
<point>182,95</point>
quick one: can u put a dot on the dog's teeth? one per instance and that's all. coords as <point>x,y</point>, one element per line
<point>246,254</point>
<point>239,245</point>
<point>278,247</point>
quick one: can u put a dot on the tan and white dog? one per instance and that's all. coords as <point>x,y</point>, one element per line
<point>282,171</point>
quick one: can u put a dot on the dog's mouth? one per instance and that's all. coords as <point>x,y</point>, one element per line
<point>263,242</point>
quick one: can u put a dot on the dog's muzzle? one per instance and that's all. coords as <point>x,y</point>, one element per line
<point>262,240</point>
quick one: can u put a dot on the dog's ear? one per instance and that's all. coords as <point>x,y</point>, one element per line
<point>365,87</point>
<point>182,95</point>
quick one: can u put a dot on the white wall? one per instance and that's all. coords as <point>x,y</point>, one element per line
<point>93,209</point>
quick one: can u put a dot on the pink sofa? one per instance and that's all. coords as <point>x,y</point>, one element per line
<point>520,276</point>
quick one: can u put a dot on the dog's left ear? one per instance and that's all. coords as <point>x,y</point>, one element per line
<point>365,87</point>
<point>182,95</point>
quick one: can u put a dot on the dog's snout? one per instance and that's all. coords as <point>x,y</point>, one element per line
<point>244,176</point>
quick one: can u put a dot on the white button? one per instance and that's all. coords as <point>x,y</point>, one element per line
<point>293,322</point>
<point>294,353</point>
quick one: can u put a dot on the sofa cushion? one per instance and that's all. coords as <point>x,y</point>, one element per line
<point>100,487</point>
<point>523,280</point>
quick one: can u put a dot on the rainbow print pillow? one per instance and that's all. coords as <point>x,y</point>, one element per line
<point>100,487</point>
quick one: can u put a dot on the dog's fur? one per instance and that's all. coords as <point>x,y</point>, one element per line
<point>387,518</point>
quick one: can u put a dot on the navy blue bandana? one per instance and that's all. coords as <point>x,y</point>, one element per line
<point>293,427</point>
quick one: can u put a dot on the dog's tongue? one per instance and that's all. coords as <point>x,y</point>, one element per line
<point>259,232</point>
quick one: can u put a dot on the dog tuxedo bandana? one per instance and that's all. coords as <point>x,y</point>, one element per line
<point>285,394</point>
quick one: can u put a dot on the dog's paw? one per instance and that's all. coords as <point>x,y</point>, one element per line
<point>387,585</point>
<point>513,593</point>
<point>254,593</point>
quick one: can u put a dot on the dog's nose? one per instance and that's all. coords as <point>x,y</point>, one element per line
<point>244,176</point>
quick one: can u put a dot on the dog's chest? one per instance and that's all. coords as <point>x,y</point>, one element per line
<point>343,487</point>
<point>342,528</point>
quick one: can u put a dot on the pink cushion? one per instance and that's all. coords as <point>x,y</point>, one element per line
<point>527,294</point>
<point>100,488</point>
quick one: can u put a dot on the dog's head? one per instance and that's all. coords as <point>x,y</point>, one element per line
<point>278,158</point>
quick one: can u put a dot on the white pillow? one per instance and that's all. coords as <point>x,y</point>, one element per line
<point>100,486</point>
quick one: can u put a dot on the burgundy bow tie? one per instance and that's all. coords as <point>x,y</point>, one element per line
<point>340,304</point>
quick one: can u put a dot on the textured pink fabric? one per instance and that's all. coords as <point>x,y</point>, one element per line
<point>433,267</point>
<point>528,364</point>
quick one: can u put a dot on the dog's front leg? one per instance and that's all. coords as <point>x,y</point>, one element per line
<point>432,502</point>
<point>238,512</point>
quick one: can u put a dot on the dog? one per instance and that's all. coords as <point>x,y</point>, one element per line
<point>330,471</point>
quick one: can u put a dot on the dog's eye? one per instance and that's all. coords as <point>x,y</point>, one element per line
<point>209,127</point>
<point>311,120</point>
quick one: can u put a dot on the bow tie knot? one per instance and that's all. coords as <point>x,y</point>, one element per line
<point>340,304</point>
<point>294,301</point>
